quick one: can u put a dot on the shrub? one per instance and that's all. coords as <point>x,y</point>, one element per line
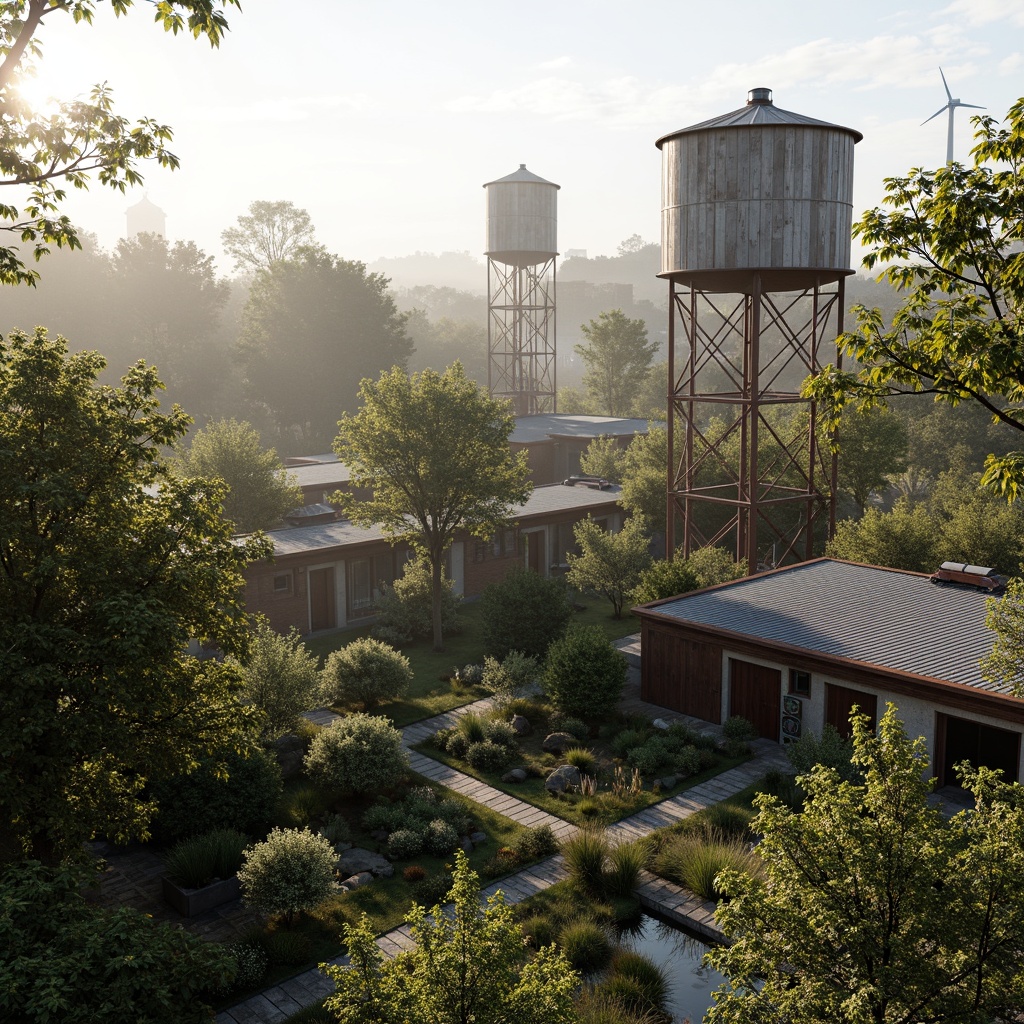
<point>434,889</point>
<point>627,740</point>
<point>384,817</point>
<point>250,965</point>
<point>366,672</point>
<point>289,949</point>
<point>687,761</point>
<point>585,854</point>
<point>728,820</point>
<point>511,678</point>
<point>829,749</point>
<point>335,829</point>
<point>627,993</point>
<point>405,607</point>
<point>582,758</point>
<point>441,839</point>
<point>414,873</point>
<point>282,677</point>
<point>202,801</point>
<point>585,674</point>
<point>587,945</point>
<point>300,805</point>
<point>784,786</point>
<point>651,757</point>
<point>292,870</point>
<point>195,862</point>
<point>538,931</point>
<point>571,724</point>
<point>625,862</point>
<point>740,729</point>
<point>525,612</point>
<point>695,861</point>
<point>501,733</point>
<point>533,843</point>
<point>457,745</point>
<point>487,756</point>
<point>359,753</point>
<point>404,843</point>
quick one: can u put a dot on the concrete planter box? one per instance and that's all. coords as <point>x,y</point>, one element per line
<point>192,902</point>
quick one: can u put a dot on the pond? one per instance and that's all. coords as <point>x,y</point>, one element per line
<point>680,955</point>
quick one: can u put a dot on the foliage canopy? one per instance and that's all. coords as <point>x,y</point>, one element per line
<point>617,357</point>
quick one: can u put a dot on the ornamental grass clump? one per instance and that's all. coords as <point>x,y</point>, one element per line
<point>196,862</point>
<point>625,862</point>
<point>641,976</point>
<point>696,860</point>
<point>585,854</point>
<point>586,944</point>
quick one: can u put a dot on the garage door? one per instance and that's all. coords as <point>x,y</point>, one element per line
<point>755,692</point>
<point>839,702</point>
<point>962,740</point>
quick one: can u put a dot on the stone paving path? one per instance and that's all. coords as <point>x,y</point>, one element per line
<point>276,1004</point>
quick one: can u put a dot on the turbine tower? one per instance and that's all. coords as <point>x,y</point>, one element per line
<point>950,106</point>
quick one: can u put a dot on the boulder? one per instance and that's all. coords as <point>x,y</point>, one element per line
<point>360,879</point>
<point>556,742</point>
<point>476,838</point>
<point>564,777</point>
<point>466,844</point>
<point>660,723</point>
<point>521,725</point>
<point>358,860</point>
<point>666,781</point>
<point>514,775</point>
<point>342,847</point>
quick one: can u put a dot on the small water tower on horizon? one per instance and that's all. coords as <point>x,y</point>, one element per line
<point>757,208</point>
<point>145,216</point>
<point>521,248</point>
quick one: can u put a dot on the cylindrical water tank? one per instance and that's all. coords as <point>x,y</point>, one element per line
<point>521,219</point>
<point>758,189</point>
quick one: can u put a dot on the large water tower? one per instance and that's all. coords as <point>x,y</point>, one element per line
<point>521,251</point>
<point>757,207</point>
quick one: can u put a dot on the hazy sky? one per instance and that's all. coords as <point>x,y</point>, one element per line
<point>384,119</point>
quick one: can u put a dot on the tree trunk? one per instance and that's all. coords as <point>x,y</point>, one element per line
<point>436,562</point>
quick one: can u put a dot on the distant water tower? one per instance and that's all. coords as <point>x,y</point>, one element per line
<point>521,251</point>
<point>145,216</point>
<point>757,206</point>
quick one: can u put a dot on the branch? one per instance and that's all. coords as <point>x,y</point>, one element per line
<point>36,10</point>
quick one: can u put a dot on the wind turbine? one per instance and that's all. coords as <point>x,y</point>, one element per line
<point>950,106</point>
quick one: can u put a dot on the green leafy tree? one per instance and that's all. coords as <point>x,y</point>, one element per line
<point>524,612</point>
<point>109,566</point>
<point>281,677</point>
<point>609,564</point>
<point>873,449</point>
<point>259,491</point>
<point>617,357</point>
<point>290,871</point>
<point>467,967</point>
<point>65,959</point>
<point>314,326</point>
<point>46,152</point>
<point>359,753</point>
<point>585,674</point>
<point>904,538</point>
<point>433,449</point>
<point>872,907</point>
<point>366,672</point>
<point>706,567</point>
<point>604,457</point>
<point>405,608</point>
<point>950,240</point>
<point>644,471</point>
<point>1005,617</point>
<point>268,233</point>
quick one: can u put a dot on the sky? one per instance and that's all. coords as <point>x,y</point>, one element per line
<point>384,120</point>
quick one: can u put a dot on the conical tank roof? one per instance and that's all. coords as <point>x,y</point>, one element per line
<point>759,110</point>
<point>522,175</point>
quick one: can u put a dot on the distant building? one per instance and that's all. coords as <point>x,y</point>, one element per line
<point>146,218</point>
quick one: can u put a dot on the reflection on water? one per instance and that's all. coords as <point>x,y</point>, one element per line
<point>680,956</point>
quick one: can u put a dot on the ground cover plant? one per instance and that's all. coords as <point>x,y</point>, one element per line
<point>625,763</point>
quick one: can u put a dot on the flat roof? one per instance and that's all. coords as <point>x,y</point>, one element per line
<point>319,473</point>
<point>879,617</point>
<point>547,425</point>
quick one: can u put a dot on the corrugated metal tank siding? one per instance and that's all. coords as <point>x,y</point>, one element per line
<point>522,218</point>
<point>759,197</point>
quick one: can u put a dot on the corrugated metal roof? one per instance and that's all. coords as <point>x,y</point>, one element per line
<point>759,113</point>
<point>544,425</point>
<point>879,617</point>
<point>320,473</point>
<point>522,175</point>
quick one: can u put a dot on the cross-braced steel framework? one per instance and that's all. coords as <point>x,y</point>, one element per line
<point>521,335</point>
<point>743,472</point>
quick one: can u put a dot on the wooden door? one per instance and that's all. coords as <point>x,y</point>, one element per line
<point>755,692</point>
<point>682,674</point>
<point>535,553</point>
<point>962,740</point>
<point>322,607</point>
<point>839,701</point>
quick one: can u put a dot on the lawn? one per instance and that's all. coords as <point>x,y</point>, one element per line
<point>430,693</point>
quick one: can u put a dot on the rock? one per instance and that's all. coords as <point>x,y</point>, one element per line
<point>358,860</point>
<point>565,777</point>
<point>521,725</point>
<point>340,848</point>
<point>660,723</point>
<point>476,838</point>
<point>556,742</point>
<point>514,775</point>
<point>466,844</point>
<point>360,879</point>
<point>666,782</point>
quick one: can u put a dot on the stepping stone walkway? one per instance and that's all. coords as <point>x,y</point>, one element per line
<point>278,1003</point>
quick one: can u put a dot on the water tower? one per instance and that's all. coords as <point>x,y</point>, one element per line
<point>146,216</point>
<point>521,251</point>
<point>757,207</point>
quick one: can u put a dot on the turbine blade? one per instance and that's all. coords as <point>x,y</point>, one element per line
<point>946,87</point>
<point>936,114</point>
<point>973,106</point>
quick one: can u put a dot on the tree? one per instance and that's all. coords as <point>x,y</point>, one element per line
<point>873,449</point>
<point>584,674</point>
<point>357,754</point>
<point>706,567</point>
<point>467,967</point>
<point>315,326</point>
<point>904,538</point>
<point>405,608</point>
<point>109,566</point>
<point>524,612</point>
<point>47,152</point>
<point>1005,617</point>
<point>873,908</point>
<point>633,244</point>
<point>282,677</point>
<point>951,242</point>
<point>259,492</point>
<point>366,672</point>
<point>434,451</point>
<point>290,871</point>
<point>268,233</point>
<point>604,457</point>
<point>609,564</point>
<point>64,959</point>
<point>617,357</point>
<point>644,474</point>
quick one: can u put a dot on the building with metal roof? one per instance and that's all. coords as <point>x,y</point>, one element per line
<point>795,648</point>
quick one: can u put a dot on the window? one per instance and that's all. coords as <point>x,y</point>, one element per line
<point>283,583</point>
<point>509,542</point>
<point>799,682</point>
<point>480,551</point>
<point>360,585</point>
